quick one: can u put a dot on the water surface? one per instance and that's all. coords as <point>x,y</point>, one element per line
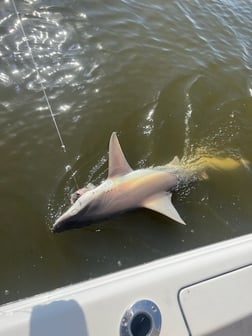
<point>169,77</point>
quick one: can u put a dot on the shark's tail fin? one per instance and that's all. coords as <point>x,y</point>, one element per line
<point>204,164</point>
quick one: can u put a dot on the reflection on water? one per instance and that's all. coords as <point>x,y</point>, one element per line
<point>169,77</point>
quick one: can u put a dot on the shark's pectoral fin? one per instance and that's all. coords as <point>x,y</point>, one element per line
<point>118,165</point>
<point>162,203</point>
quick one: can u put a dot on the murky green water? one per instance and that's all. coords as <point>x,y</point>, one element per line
<point>169,77</point>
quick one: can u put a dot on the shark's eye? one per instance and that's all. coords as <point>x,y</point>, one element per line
<point>77,194</point>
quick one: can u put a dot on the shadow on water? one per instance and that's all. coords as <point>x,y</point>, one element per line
<point>63,317</point>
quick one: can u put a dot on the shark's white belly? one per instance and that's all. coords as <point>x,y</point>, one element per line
<point>131,190</point>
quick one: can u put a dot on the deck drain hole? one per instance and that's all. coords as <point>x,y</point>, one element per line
<point>140,325</point>
<point>143,318</point>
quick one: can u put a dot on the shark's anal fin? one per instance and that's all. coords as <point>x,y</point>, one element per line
<point>162,203</point>
<point>118,165</point>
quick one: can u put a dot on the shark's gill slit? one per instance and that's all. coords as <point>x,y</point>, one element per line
<point>43,89</point>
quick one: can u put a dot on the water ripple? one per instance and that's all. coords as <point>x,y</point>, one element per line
<point>5,79</point>
<point>55,46</point>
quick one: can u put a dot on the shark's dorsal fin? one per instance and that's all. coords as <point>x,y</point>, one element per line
<point>118,165</point>
<point>162,203</point>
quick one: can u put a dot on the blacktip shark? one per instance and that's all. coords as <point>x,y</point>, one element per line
<point>127,189</point>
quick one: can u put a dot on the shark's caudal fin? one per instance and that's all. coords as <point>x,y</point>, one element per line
<point>205,164</point>
<point>199,166</point>
<point>219,163</point>
<point>118,165</point>
<point>162,203</point>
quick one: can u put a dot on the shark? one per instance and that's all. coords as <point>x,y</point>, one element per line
<point>126,189</point>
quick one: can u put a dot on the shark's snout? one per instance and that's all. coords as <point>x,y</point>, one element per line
<point>63,223</point>
<point>69,221</point>
<point>57,227</point>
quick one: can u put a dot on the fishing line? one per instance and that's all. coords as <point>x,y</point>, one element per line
<point>68,167</point>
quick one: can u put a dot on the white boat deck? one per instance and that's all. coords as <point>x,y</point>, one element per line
<point>206,291</point>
